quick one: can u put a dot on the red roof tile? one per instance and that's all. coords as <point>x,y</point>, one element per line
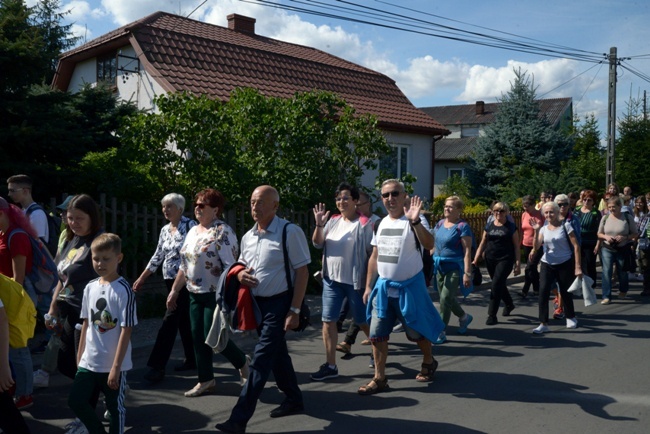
<point>203,58</point>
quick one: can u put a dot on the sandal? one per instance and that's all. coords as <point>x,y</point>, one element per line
<point>344,348</point>
<point>427,372</point>
<point>375,386</point>
<point>365,342</point>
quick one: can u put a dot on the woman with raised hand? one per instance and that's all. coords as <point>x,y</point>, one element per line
<point>500,243</point>
<point>345,239</point>
<point>209,248</point>
<point>171,239</point>
<point>560,263</point>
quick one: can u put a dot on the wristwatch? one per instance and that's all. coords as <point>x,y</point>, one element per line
<point>295,310</point>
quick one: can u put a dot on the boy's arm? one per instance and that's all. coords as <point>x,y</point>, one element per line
<point>82,341</point>
<point>116,369</point>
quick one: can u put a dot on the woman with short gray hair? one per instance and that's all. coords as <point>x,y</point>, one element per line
<point>170,241</point>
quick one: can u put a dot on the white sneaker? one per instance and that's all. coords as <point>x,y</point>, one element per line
<point>399,328</point>
<point>76,427</point>
<point>571,323</point>
<point>41,379</point>
<point>541,329</point>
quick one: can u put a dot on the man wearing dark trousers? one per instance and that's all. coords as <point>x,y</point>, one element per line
<point>262,252</point>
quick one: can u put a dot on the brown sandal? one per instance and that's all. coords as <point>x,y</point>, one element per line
<point>375,386</point>
<point>344,348</point>
<point>428,370</point>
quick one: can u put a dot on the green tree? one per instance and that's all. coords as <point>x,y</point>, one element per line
<point>303,145</point>
<point>517,140</point>
<point>633,147</point>
<point>588,161</point>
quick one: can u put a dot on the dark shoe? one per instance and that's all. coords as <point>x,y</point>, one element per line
<point>508,310</point>
<point>231,427</point>
<point>286,409</point>
<point>523,294</point>
<point>185,366</point>
<point>325,373</point>
<point>155,375</point>
<point>491,320</point>
<point>375,386</point>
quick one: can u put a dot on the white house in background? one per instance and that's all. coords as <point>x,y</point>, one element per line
<point>168,53</point>
<point>467,122</point>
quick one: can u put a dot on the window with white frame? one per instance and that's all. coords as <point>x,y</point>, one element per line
<point>458,171</point>
<point>395,164</point>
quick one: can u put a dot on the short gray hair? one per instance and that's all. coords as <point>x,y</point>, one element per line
<point>553,205</point>
<point>561,198</point>
<point>394,181</point>
<point>174,199</point>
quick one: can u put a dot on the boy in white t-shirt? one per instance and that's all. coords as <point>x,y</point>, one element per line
<point>104,356</point>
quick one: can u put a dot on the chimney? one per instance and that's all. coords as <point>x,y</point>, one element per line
<point>240,23</point>
<point>480,107</point>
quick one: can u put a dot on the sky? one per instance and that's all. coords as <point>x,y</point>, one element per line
<point>434,71</point>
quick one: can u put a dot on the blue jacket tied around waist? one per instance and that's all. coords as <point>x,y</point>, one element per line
<point>414,303</point>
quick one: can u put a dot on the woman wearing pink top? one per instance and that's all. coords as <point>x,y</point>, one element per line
<point>531,272</point>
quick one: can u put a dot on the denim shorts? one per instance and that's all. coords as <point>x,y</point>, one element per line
<point>380,328</point>
<point>333,295</point>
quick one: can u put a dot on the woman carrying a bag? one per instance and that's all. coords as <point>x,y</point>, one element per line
<point>618,232</point>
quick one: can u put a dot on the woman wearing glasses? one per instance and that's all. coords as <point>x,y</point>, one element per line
<point>500,243</point>
<point>209,248</point>
<point>345,239</point>
<point>452,259</point>
<point>589,219</point>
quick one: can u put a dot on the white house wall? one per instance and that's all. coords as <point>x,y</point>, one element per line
<point>419,163</point>
<point>133,83</point>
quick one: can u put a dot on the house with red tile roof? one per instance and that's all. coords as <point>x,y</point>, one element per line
<point>169,53</point>
<point>467,122</point>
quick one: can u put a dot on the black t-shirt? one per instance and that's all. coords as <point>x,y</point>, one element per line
<point>499,241</point>
<point>75,267</point>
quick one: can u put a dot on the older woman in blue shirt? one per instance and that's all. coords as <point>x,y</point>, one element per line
<point>167,254</point>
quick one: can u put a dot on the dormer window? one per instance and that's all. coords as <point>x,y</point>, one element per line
<point>107,69</point>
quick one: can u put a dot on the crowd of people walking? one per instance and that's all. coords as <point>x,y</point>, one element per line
<point>378,267</point>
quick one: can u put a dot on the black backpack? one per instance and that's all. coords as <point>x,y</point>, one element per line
<point>53,228</point>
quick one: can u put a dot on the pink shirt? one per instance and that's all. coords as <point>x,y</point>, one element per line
<point>527,230</point>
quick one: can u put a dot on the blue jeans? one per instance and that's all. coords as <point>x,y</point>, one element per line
<point>271,354</point>
<point>21,360</point>
<point>608,257</point>
<point>333,295</point>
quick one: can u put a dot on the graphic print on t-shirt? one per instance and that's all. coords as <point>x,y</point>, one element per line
<point>102,319</point>
<point>390,245</point>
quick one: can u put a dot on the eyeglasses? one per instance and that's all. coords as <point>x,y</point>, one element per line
<point>393,193</point>
<point>588,200</point>
<point>342,198</point>
<point>496,211</point>
<point>200,205</point>
<point>563,204</point>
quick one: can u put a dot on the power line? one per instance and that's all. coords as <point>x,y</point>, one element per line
<point>573,78</point>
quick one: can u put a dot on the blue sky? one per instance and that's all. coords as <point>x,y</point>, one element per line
<point>433,71</point>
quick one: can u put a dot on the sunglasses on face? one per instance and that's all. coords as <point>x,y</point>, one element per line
<point>496,211</point>
<point>393,193</point>
<point>200,205</point>
<point>561,204</point>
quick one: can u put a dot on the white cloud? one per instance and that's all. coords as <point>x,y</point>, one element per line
<point>81,31</point>
<point>426,76</point>
<point>76,10</point>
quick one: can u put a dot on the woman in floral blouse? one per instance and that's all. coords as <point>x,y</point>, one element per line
<point>210,247</point>
<point>171,239</point>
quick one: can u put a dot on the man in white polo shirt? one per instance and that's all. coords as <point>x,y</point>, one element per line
<point>395,286</point>
<point>262,252</point>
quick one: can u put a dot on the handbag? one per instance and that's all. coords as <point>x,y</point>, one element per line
<point>644,244</point>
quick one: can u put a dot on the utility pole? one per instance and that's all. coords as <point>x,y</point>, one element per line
<point>611,117</point>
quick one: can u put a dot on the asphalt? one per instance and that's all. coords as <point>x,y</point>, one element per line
<point>494,379</point>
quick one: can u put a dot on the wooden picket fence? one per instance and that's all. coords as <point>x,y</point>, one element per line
<point>139,227</point>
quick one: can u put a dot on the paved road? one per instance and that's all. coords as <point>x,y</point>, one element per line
<point>495,379</point>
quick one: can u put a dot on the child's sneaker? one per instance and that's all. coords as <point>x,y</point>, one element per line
<point>41,379</point>
<point>76,427</point>
<point>24,402</point>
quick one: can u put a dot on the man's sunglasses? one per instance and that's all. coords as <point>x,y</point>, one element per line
<point>393,193</point>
